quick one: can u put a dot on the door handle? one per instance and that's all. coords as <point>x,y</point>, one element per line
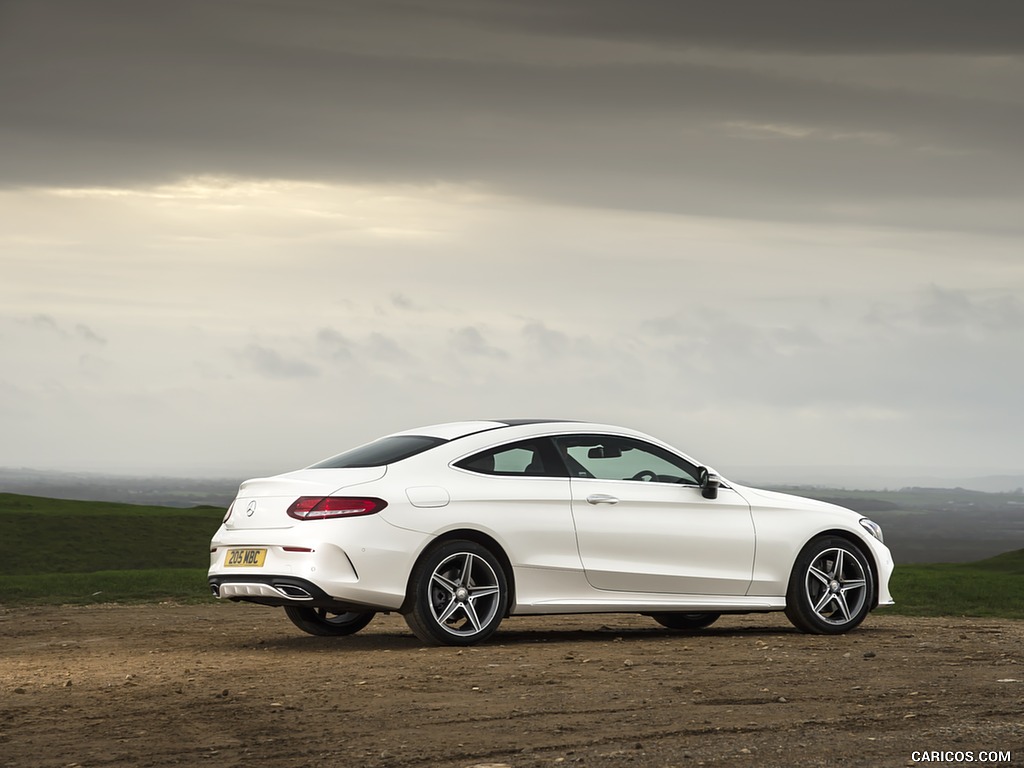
<point>601,498</point>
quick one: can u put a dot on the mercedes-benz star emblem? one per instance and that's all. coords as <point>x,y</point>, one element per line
<point>250,509</point>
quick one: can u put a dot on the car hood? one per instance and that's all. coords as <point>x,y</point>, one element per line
<point>758,497</point>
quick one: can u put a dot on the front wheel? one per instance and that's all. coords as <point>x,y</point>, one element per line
<point>458,595</point>
<point>830,588</point>
<point>686,620</point>
<point>320,621</point>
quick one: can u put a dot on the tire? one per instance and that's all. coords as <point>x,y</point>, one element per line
<point>686,620</point>
<point>458,594</point>
<point>320,621</point>
<point>830,588</point>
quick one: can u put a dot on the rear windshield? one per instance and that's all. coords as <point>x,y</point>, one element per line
<point>387,450</point>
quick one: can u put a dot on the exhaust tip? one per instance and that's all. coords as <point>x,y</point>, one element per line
<point>292,591</point>
<point>257,590</point>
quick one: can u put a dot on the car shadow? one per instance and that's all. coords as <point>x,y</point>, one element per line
<point>507,635</point>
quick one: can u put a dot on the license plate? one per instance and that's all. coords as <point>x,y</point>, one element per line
<point>244,558</point>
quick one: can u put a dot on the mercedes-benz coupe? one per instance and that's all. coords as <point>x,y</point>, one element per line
<point>458,526</point>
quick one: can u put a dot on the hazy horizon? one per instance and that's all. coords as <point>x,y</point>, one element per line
<point>23,479</point>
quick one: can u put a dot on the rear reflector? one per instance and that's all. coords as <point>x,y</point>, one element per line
<point>324,507</point>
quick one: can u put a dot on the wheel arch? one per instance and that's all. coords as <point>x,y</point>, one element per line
<point>466,534</point>
<point>855,541</point>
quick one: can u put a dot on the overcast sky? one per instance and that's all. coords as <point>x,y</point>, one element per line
<point>237,236</point>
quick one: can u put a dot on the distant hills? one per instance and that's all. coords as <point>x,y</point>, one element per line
<point>177,491</point>
<point>922,524</point>
<point>876,478</point>
<point>935,525</point>
<point>87,486</point>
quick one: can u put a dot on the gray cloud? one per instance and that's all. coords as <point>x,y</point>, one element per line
<point>45,323</point>
<point>386,349</point>
<point>956,309</point>
<point>120,93</point>
<point>939,359</point>
<point>546,341</point>
<point>401,301</point>
<point>469,341</point>
<point>874,26</point>
<point>48,324</point>
<point>374,349</point>
<point>87,333</point>
<point>552,344</point>
<point>334,344</point>
<point>272,364</point>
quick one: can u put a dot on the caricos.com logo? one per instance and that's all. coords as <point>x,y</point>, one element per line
<point>962,756</point>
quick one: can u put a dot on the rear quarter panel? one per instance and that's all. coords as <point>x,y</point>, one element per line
<point>530,518</point>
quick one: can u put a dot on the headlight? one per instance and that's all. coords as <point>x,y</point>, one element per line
<point>873,528</point>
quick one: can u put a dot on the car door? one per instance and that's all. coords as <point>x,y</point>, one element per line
<point>642,524</point>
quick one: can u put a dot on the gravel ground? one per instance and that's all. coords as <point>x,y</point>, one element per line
<point>238,685</point>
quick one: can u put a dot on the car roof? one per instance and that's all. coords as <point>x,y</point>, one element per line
<point>453,430</point>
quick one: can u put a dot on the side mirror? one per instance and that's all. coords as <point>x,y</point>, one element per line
<point>709,482</point>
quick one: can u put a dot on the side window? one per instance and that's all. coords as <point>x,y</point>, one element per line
<point>529,458</point>
<point>622,458</point>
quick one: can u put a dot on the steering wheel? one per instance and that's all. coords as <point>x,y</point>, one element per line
<point>646,475</point>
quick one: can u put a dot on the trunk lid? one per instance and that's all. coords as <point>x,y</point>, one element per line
<point>262,503</point>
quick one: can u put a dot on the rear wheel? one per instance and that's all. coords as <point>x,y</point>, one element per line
<point>830,588</point>
<point>320,621</point>
<point>686,620</point>
<point>458,595</point>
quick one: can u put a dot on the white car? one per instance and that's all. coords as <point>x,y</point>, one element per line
<point>459,525</point>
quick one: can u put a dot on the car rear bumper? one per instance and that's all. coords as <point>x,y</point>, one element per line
<point>280,591</point>
<point>363,563</point>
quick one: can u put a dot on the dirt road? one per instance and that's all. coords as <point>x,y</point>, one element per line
<point>238,685</point>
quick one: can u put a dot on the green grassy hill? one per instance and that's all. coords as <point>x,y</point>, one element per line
<point>990,587</point>
<point>55,551</point>
<point>58,551</point>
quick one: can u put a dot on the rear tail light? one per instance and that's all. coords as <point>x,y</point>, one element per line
<point>228,513</point>
<point>324,507</point>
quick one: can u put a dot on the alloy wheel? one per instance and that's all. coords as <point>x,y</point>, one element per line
<point>465,594</point>
<point>836,586</point>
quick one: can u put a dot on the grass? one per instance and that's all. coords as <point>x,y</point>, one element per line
<point>55,551</point>
<point>992,587</point>
<point>57,536</point>
<point>182,585</point>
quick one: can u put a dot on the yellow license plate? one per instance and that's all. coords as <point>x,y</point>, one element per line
<point>244,558</point>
